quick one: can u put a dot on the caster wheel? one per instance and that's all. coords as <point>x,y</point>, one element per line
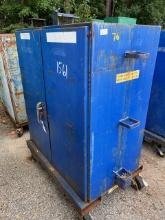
<point>138,183</point>
<point>86,217</point>
<point>160,150</point>
<point>33,158</point>
<point>19,132</point>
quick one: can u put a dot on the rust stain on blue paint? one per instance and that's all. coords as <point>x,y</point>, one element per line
<point>11,83</point>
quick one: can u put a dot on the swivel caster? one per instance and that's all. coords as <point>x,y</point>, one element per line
<point>33,158</point>
<point>160,150</point>
<point>138,183</point>
<point>19,132</point>
<point>86,217</point>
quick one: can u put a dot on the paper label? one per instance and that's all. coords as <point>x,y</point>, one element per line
<point>25,36</point>
<point>127,76</point>
<point>103,31</point>
<point>62,37</point>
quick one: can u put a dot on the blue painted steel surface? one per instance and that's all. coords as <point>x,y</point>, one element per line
<point>112,145</point>
<point>65,72</point>
<point>96,98</point>
<point>11,86</point>
<point>156,112</point>
<point>30,58</point>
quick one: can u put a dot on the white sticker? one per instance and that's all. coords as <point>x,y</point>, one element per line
<point>103,31</point>
<point>62,37</point>
<point>25,36</point>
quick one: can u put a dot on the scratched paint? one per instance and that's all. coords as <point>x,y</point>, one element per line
<point>4,90</point>
<point>11,89</point>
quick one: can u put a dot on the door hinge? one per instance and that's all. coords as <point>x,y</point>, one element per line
<point>90,34</point>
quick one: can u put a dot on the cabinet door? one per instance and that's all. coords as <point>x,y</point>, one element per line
<point>120,87</point>
<point>145,43</point>
<point>65,56</point>
<point>30,59</point>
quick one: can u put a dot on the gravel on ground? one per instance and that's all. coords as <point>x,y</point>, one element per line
<point>28,192</point>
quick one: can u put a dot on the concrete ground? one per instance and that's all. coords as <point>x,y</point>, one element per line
<point>27,191</point>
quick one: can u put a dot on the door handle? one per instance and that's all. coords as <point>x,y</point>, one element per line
<point>136,54</point>
<point>129,122</point>
<point>40,109</point>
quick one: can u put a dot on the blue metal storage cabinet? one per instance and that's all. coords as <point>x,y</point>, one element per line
<point>155,125</point>
<point>97,80</point>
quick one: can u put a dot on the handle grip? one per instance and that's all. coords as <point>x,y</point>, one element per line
<point>39,110</point>
<point>136,54</point>
<point>129,122</point>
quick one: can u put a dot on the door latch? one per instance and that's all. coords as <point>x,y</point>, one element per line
<point>40,109</point>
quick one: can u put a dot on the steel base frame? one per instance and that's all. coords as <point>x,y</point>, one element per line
<point>83,208</point>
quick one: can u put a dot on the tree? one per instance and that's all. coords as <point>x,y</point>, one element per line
<point>16,13</point>
<point>146,11</point>
<point>109,6</point>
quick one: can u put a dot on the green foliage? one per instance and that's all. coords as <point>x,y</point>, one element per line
<point>27,12</point>
<point>16,13</point>
<point>9,13</point>
<point>98,8</point>
<point>146,11</point>
<point>80,8</point>
<point>83,10</point>
<point>12,27</point>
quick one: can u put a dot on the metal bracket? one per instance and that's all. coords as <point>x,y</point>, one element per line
<point>129,122</point>
<point>136,54</point>
<point>124,177</point>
